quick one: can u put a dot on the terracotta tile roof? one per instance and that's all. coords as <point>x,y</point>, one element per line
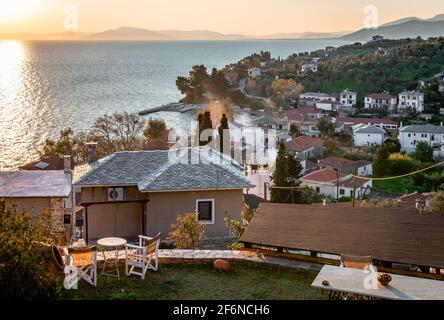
<point>382,96</point>
<point>303,143</point>
<point>366,121</point>
<point>324,175</point>
<point>337,162</point>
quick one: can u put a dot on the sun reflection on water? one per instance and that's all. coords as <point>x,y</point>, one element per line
<point>12,88</point>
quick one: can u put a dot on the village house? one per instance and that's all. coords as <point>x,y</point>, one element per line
<point>39,192</point>
<point>386,124</point>
<point>347,166</point>
<point>348,99</point>
<point>335,184</point>
<point>305,147</point>
<point>410,136</point>
<point>330,49</point>
<point>378,101</point>
<point>411,101</point>
<point>328,105</point>
<point>305,119</point>
<point>319,96</point>
<point>309,67</point>
<point>367,135</point>
<point>254,73</point>
<point>377,38</point>
<point>141,193</point>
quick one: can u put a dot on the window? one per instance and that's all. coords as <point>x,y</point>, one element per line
<point>342,192</point>
<point>205,210</point>
<point>318,190</point>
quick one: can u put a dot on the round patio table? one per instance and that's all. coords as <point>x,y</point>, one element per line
<point>108,244</point>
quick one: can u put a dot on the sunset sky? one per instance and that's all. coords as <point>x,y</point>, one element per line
<point>254,17</point>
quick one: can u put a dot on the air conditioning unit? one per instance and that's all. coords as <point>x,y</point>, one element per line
<point>115,194</point>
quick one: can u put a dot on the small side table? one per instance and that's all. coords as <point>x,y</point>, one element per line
<point>111,243</point>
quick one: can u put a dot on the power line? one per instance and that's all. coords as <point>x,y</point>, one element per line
<point>398,177</point>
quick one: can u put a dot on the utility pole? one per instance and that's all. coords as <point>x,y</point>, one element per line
<point>354,188</point>
<point>337,184</point>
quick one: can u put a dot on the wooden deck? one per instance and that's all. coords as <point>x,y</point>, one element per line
<point>391,235</point>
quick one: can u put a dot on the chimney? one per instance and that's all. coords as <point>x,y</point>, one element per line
<point>92,152</point>
<point>67,164</point>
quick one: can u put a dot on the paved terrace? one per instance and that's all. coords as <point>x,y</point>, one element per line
<point>184,256</point>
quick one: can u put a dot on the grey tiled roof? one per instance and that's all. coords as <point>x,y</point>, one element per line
<point>35,184</point>
<point>369,129</point>
<point>427,128</point>
<point>153,171</point>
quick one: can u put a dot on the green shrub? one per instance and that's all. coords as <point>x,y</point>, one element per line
<point>187,232</point>
<point>345,199</point>
<point>24,273</point>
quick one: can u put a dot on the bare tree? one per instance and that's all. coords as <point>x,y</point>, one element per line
<point>118,132</point>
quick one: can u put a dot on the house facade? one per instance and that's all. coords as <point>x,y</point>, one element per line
<point>348,99</point>
<point>378,101</point>
<point>411,101</point>
<point>309,67</point>
<point>319,96</point>
<point>410,136</point>
<point>335,184</point>
<point>141,193</point>
<point>254,73</point>
<point>367,135</point>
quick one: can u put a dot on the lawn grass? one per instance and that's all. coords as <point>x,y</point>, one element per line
<point>397,186</point>
<point>202,282</point>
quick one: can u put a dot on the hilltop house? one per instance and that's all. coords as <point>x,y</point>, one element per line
<point>347,166</point>
<point>305,147</point>
<point>330,49</point>
<point>309,67</point>
<point>348,99</point>
<point>434,136</point>
<point>377,38</point>
<point>335,184</point>
<point>41,191</point>
<point>141,193</point>
<point>367,135</point>
<point>411,101</point>
<point>254,73</point>
<point>380,101</point>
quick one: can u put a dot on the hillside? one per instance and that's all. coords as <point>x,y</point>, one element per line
<point>365,69</point>
<point>407,29</point>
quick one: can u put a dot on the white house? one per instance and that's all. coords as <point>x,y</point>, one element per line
<point>319,96</point>
<point>410,136</point>
<point>348,99</point>
<point>380,101</point>
<point>327,105</point>
<point>411,101</point>
<point>254,73</point>
<point>367,135</point>
<point>335,184</point>
<point>309,67</point>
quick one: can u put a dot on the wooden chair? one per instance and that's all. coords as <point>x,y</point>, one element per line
<point>145,256</point>
<point>356,262</point>
<point>85,262</point>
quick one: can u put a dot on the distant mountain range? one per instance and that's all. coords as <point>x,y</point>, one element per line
<point>402,28</point>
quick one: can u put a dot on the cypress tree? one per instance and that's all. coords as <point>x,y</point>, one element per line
<point>224,133</point>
